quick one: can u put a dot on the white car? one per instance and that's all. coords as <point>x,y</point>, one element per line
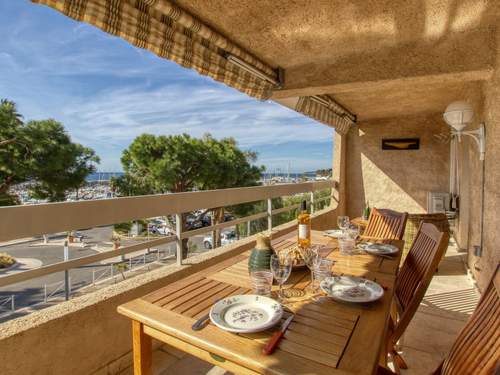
<point>225,239</point>
<point>160,229</point>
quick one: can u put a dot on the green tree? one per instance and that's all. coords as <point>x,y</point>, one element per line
<point>42,153</point>
<point>13,151</point>
<point>57,164</point>
<point>228,167</point>
<point>178,163</point>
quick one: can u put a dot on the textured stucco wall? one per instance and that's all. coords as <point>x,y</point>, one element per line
<point>487,109</point>
<point>484,266</point>
<point>398,180</point>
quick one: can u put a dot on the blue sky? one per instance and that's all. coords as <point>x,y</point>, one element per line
<point>106,92</point>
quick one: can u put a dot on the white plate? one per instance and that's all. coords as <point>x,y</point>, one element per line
<point>335,233</point>
<point>378,248</point>
<point>351,289</point>
<point>246,313</point>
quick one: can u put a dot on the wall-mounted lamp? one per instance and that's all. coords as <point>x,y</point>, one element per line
<point>458,115</point>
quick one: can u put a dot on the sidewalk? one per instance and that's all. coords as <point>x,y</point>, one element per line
<point>30,239</point>
<point>20,241</point>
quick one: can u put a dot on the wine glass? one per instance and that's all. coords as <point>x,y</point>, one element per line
<point>310,254</point>
<point>281,266</point>
<point>343,222</point>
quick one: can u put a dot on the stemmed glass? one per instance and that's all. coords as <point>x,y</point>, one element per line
<point>281,266</point>
<point>310,254</point>
<point>343,222</point>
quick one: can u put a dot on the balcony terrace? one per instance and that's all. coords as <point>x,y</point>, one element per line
<point>373,71</point>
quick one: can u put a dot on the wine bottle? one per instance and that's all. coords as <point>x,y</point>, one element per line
<point>366,211</point>
<point>304,226</point>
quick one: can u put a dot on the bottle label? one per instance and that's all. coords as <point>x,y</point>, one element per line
<point>303,231</point>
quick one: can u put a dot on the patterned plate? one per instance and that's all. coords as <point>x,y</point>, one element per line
<point>335,233</point>
<point>352,289</point>
<point>378,248</point>
<point>246,313</point>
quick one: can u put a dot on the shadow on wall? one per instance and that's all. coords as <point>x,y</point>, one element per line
<point>398,180</point>
<point>428,39</point>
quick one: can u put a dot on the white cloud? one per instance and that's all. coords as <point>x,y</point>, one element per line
<point>119,115</point>
<point>107,92</point>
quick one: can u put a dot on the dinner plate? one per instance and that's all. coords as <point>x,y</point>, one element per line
<point>335,233</point>
<point>246,313</point>
<point>378,248</point>
<point>351,289</point>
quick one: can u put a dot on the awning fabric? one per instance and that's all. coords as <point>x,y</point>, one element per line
<point>330,114</point>
<point>168,31</point>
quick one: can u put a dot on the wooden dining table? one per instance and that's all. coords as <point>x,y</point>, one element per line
<point>325,336</point>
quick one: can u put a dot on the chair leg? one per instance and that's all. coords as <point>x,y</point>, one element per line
<point>398,360</point>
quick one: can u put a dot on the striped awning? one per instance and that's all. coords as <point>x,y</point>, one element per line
<point>168,31</point>
<point>324,109</point>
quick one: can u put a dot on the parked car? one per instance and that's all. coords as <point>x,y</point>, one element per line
<point>205,221</point>
<point>160,229</point>
<point>226,238</point>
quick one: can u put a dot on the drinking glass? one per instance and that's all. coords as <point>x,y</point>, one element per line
<point>343,222</point>
<point>322,268</point>
<point>346,245</point>
<point>281,267</point>
<point>353,231</point>
<point>262,282</point>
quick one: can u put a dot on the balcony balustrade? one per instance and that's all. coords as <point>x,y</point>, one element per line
<point>27,221</point>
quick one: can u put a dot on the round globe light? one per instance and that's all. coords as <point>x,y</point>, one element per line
<point>458,115</point>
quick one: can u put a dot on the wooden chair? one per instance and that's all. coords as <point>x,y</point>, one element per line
<point>477,347</point>
<point>412,282</point>
<point>413,223</point>
<point>385,224</point>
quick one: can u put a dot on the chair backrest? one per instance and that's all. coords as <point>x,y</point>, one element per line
<point>413,223</point>
<point>416,273</point>
<point>385,224</point>
<point>477,348</point>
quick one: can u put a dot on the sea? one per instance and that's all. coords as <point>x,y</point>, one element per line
<point>106,176</point>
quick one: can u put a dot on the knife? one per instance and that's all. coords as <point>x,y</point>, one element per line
<point>275,339</point>
<point>200,323</point>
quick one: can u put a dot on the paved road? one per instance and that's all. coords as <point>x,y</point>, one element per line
<point>32,291</point>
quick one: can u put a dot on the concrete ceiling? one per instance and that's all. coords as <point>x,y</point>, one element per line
<point>407,99</point>
<point>377,57</point>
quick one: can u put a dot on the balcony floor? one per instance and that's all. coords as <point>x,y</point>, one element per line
<point>448,303</point>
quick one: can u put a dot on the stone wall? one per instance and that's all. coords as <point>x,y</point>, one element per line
<point>398,180</point>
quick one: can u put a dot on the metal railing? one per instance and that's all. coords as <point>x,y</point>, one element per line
<point>102,274</point>
<point>58,288</point>
<point>33,220</point>
<point>8,304</point>
<point>132,264</point>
